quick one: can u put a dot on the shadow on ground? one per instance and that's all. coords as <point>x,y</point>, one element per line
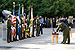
<point>9,47</point>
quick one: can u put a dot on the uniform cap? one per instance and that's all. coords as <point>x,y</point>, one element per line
<point>9,16</point>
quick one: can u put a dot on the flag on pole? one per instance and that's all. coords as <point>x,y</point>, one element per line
<point>32,15</point>
<point>27,26</point>
<point>19,14</point>
<point>28,18</point>
<point>23,13</point>
<point>22,10</point>
<point>13,8</point>
<point>13,21</point>
<point>19,23</point>
<point>13,17</point>
<point>31,28</point>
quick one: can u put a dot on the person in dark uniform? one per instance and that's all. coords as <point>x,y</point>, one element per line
<point>37,26</point>
<point>17,22</point>
<point>24,27</point>
<point>9,24</point>
<point>34,23</point>
<point>24,32</point>
<point>21,28</point>
<point>66,31</point>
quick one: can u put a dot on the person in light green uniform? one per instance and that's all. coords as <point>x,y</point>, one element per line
<point>37,26</point>
<point>9,24</point>
<point>66,32</point>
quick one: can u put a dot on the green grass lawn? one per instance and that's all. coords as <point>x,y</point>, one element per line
<point>0,22</point>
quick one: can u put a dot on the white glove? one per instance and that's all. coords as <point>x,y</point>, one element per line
<point>34,25</point>
<point>22,24</point>
<point>40,24</point>
<point>18,24</point>
<point>24,29</point>
<point>11,27</point>
<point>29,25</point>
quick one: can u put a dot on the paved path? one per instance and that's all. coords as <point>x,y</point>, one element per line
<point>42,42</point>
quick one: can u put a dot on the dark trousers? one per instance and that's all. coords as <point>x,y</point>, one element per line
<point>66,36</point>
<point>37,32</point>
<point>70,24</point>
<point>8,35</point>
<point>24,35</point>
<point>33,31</point>
<point>20,35</point>
<point>54,25</point>
<point>41,29</point>
<point>16,32</point>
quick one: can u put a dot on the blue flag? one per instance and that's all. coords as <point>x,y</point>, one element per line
<point>13,8</point>
<point>19,22</point>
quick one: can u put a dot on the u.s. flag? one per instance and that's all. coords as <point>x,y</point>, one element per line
<point>14,20</point>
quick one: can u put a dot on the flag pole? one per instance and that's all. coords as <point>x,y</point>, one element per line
<point>13,8</point>
<point>19,24</point>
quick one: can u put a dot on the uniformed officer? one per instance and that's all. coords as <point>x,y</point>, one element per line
<point>24,27</point>
<point>37,26</point>
<point>66,34</point>
<point>17,22</point>
<point>34,23</point>
<point>9,23</point>
<point>21,28</point>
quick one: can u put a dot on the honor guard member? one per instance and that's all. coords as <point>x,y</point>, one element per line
<point>34,23</point>
<point>37,26</point>
<point>24,32</point>
<point>24,27</point>
<point>21,28</point>
<point>66,33</point>
<point>17,22</point>
<point>9,24</point>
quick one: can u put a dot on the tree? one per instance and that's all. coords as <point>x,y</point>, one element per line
<point>46,8</point>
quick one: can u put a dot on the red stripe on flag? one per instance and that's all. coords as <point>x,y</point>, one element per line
<point>14,17</point>
<point>14,23</point>
<point>24,19</point>
<point>14,20</point>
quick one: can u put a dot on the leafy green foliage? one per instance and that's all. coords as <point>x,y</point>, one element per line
<point>46,8</point>
<point>0,22</point>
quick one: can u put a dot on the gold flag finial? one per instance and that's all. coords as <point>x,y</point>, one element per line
<point>13,2</point>
<point>19,4</point>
